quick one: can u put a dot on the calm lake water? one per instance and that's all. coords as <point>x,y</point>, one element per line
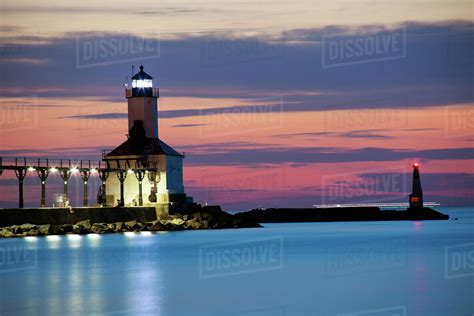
<point>350,268</point>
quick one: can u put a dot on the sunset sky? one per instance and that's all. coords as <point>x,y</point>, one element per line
<point>272,102</point>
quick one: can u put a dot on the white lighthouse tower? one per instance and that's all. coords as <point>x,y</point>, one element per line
<point>144,150</point>
<point>143,103</point>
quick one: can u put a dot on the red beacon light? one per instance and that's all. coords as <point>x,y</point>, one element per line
<point>415,164</point>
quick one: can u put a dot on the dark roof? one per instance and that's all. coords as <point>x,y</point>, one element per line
<point>152,146</point>
<point>141,75</point>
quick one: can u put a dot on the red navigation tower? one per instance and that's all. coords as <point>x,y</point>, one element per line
<point>416,196</point>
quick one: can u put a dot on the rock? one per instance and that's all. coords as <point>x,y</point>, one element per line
<point>27,227</point>
<point>61,229</point>
<point>156,226</point>
<point>111,227</point>
<point>15,229</point>
<point>119,227</point>
<point>228,222</point>
<point>197,216</point>
<point>99,228</point>
<point>140,227</point>
<point>185,217</point>
<point>192,224</point>
<point>67,228</point>
<point>86,224</point>
<point>177,222</point>
<point>134,226</point>
<point>172,224</point>
<point>166,224</point>
<point>5,233</point>
<point>56,230</point>
<point>175,216</point>
<point>77,229</point>
<point>33,232</point>
<point>130,225</point>
<point>44,229</point>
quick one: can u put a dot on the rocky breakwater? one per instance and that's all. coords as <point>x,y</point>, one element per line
<point>206,218</point>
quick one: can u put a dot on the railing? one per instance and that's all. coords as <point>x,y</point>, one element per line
<point>19,163</point>
<point>47,162</point>
<point>155,92</point>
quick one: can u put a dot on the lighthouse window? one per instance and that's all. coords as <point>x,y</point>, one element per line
<point>142,83</point>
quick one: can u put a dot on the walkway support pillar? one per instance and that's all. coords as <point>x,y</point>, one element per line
<point>85,174</point>
<point>43,175</point>
<point>121,175</point>
<point>65,175</point>
<point>103,175</point>
<point>140,174</point>
<point>20,174</point>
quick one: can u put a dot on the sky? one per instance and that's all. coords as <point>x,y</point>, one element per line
<point>274,103</point>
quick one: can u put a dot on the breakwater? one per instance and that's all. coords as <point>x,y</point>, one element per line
<point>338,214</point>
<point>61,221</point>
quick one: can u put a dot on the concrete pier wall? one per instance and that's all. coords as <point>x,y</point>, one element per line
<point>57,216</point>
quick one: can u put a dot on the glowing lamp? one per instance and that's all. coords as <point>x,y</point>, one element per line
<point>31,169</point>
<point>142,83</point>
<point>53,169</point>
<point>74,170</point>
<point>142,80</point>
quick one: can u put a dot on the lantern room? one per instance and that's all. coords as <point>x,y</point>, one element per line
<point>142,84</point>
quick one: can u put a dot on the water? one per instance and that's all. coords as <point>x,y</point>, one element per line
<point>358,268</point>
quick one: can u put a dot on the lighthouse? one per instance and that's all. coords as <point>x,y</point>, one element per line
<point>154,170</point>
<point>143,103</point>
<point>416,196</point>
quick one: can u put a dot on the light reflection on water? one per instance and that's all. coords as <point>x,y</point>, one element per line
<point>324,269</point>
<point>418,225</point>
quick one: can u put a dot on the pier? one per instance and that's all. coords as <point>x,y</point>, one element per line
<point>43,167</point>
